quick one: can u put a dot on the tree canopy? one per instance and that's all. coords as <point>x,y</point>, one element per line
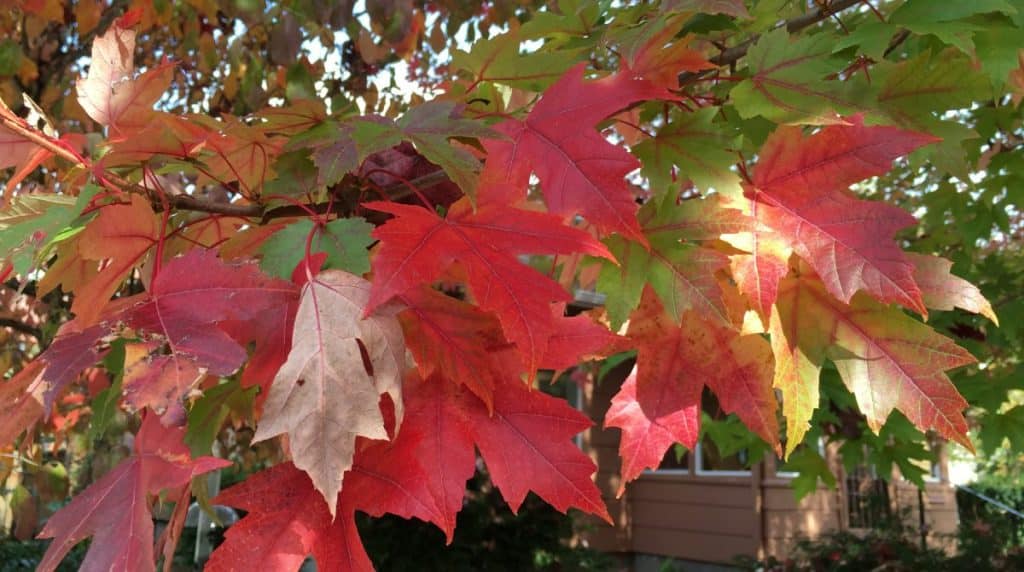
<point>341,242</point>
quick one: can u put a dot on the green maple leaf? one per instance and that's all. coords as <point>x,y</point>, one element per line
<point>32,221</point>
<point>343,240</point>
<point>787,82</point>
<point>698,147</point>
<point>682,274</point>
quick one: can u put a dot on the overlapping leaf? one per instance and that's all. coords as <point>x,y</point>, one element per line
<point>115,510</point>
<point>111,93</point>
<point>800,186</point>
<point>788,82</point>
<point>886,358</point>
<point>324,397</point>
<point>580,172</point>
<point>418,245</point>
<point>680,270</point>
<point>660,403</point>
<point>288,520</point>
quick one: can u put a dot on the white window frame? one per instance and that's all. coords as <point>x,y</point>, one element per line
<point>702,472</point>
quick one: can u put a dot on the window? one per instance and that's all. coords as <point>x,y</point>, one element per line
<point>710,461</point>
<point>732,458</point>
<point>867,498</point>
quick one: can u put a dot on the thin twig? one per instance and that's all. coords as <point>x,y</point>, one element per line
<point>21,327</point>
<point>733,54</point>
<point>190,203</point>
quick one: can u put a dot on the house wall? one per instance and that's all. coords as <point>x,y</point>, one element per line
<point>714,518</point>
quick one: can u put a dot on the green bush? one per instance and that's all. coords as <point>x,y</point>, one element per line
<point>987,525</point>
<point>18,555</point>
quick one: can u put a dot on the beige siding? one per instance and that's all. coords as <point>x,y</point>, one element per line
<point>715,518</point>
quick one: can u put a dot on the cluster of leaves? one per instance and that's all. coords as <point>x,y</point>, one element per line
<point>988,526</point>
<point>381,290</point>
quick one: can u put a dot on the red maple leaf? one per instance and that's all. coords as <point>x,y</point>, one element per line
<point>418,245</point>
<point>801,187</point>
<point>580,172</point>
<point>526,444</point>
<point>287,521</point>
<point>115,510</point>
<point>660,404</point>
<point>188,300</point>
<point>456,340</point>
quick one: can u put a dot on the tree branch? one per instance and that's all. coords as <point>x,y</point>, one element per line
<point>733,54</point>
<point>21,327</point>
<point>396,191</point>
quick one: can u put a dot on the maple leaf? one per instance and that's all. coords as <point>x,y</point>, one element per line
<point>121,234</point>
<point>115,510</point>
<point>190,297</point>
<point>324,396</point>
<point>287,520</point>
<point>664,413</point>
<point>682,273</point>
<point>787,82</point>
<point>498,59</point>
<point>886,358</point>
<point>16,150</point>
<point>111,93</point>
<point>659,57</point>
<point>418,245</point>
<point>941,290</point>
<point>456,340</point>
<point>698,147</point>
<point>580,172</point>
<point>525,442</point>
<point>441,444</point>
<point>660,404</point>
<point>800,185</point>
<point>527,446</point>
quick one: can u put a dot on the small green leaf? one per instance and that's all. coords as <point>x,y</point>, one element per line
<point>788,82</point>
<point>10,57</point>
<point>32,221</point>
<point>104,405</point>
<point>209,412</point>
<point>345,241</point>
<point>702,150</point>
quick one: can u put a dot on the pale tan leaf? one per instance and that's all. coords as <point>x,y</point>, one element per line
<point>324,396</point>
